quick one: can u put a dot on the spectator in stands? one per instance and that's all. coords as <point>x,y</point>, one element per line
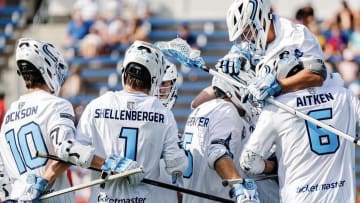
<point>93,44</point>
<point>140,8</point>
<point>185,33</point>
<point>354,39</point>
<point>138,29</point>
<point>305,15</point>
<point>72,85</point>
<point>345,19</point>
<point>348,69</point>
<point>89,9</point>
<point>334,42</point>
<point>2,106</point>
<point>117,30</point>
<point>77,28</point>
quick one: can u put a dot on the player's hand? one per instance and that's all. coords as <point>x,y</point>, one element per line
<point>5,186</point>
<point>118,164</point>
<point>35,186</point>
<point>75,152</point>
<point>232,63</point>
<point>245,193</point>
<point>251,162</point>
<point>264,87</point>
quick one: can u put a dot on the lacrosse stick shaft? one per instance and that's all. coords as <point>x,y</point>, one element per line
<point>152,182</point>
<point>314,121</point>
<point>290,109</point>
<point>92,183</point>
<point>227,182</point>
<point>180,51</point>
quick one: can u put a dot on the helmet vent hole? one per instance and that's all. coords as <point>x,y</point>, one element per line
<point>49,73</point>
<point>47,61</point>
<point>24,44</point>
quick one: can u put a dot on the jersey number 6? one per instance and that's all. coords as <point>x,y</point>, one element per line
<point>321,140</point>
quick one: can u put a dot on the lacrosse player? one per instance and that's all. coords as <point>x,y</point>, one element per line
<point>167,93</point>
<point>40,121</point>
<point>134,124</point>
<point>314,164</point>
<point>214,136</point>
<point>261,34</point>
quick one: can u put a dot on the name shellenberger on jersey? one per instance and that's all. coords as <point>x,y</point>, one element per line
<point>314,99</point>
<point>129,115</point>
<point>23,113</point>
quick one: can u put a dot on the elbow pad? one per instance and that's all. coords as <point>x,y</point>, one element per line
<point>316,66</point>
<point>252,163</point>
<point>176,165</point>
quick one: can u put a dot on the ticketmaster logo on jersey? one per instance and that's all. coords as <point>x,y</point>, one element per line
<point>129,115</point>
<point>320,187</point>
<point>101,198</point>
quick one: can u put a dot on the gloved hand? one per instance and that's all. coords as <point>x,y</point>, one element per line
<point>75,152</point>
<point>232,63</point>
<point>35,186</point>
<point>264,87</point>
<point>118,164</point>
<point>177,178</point>
<point>245,193</point>
<point>5,186</point>
<point>251,162</point>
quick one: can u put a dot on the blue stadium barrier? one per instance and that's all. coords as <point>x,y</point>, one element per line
<point>11,9</point>
<point>98,73</point>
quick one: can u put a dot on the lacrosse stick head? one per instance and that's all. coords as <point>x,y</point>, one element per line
<point>179,50</point>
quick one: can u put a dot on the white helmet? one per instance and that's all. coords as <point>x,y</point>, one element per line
<point>251,20</point>
<point>150,57</point>
<point>238,96</point>
<point>46,58</point>
<point>167,93</point>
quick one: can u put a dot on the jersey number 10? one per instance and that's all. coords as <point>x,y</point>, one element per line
<point>22,151</point>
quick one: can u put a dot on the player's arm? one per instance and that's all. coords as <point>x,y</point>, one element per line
<point>204,96</point>
<point>226,169</point>
<point>259,145</point>
<point>174,157</point>
<point>302,80</point>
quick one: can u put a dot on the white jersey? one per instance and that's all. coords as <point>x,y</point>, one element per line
<point>27,128</point>
<point>315,165</point>
<point>215,122</point>
<point>134,125</point>
<point>294,36</point>
<point>163,195</point>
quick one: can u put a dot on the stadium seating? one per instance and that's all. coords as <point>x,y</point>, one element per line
<point>12,20</point>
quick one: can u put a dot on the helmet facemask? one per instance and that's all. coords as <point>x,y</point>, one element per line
<point>249,20</point>
<point>167,91</point>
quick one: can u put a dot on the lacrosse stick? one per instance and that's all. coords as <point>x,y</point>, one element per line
<point>92,183</point>
<point>227,182</point>
<point>181,51</point>
<point>146,181</point>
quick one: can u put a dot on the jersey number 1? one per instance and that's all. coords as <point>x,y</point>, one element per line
<point>321,140</point>
<point>22,154</point>
<point>131,137</point>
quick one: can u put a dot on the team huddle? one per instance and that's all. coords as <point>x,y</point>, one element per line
<point>265,153</point>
